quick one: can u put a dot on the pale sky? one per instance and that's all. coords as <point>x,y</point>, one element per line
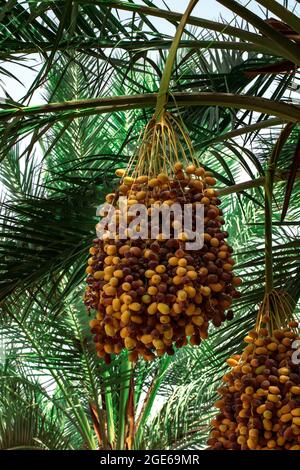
<point>209,9</point>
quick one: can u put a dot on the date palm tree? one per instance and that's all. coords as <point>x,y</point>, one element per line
<point>100,64</point>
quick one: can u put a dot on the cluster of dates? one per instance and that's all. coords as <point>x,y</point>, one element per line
<point>259,408</point>
<point>151,294</point>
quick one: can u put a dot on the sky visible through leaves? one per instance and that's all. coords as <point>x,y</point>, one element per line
<point>208,9</point>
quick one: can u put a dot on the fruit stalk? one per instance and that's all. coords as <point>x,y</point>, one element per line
<point>163,92</point>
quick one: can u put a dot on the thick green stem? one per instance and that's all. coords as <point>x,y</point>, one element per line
<point>269,179</point>
<point>162,98</point>
<point>279,177</point>
<point>150,399</point>
<point>269,182</point>
<point>285,111</point>
<point>125,369</point>
<point>9,47</point>
<point>109,410</point>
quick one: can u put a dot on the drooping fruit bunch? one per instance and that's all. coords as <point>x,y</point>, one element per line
<point>151,294</point>
<point>260,399</point>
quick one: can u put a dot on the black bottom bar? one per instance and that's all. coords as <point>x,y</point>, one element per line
<point>134,459</point>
